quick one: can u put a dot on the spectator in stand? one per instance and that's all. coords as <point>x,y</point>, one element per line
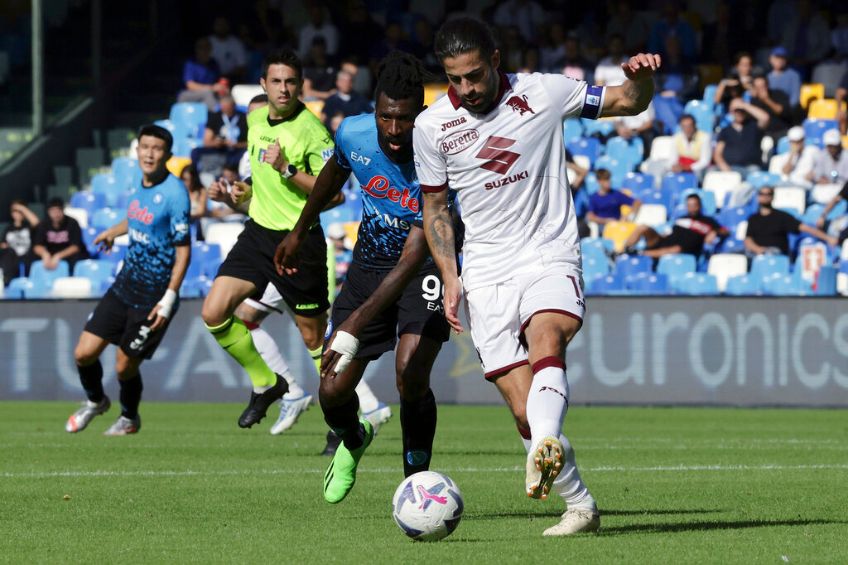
<point>784,78</point>
<point>688,234</point>
<point>16,245</point>
<point>609,71</point>
<point>692,148</point>
<point>807,36</point>
<point>342,249</point>
<point>219,210</point>
<point>841,97</point>
<point>605,205</point>
<point>198,197</point>
<point>671,24</point>
<point>738,145</point>
<point>527,15</point>
<point>831,165</point>
<point>741,80</point>
<point>226,130</point>
<point>632,26</point>
<point>799,161</point>
<point>822,221</point>
<point>319,72</point>
<point>574,65</point>
<point>769,229</point>
<point>228,51</point>
<point>345,101</point>
<point>775,103</point>
<point>202,79</point>
<point>319,26</point>
<point>58,237</point>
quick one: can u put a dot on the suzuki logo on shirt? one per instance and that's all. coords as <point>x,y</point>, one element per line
<point>135,212</point>
<point>379,187</point>
<point>500,160</point>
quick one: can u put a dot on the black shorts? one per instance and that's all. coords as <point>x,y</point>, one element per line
<point>252,259</point>
<point>419,310</point>
<point>125,326</point>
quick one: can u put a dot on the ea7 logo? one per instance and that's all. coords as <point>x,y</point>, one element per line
<point>356,157</point>
<point>500,160</point>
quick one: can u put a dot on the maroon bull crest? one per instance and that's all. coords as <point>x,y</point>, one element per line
<point>519,105</point>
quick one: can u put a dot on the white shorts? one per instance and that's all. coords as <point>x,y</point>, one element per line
<point>270,302</point>
<point>498,314</point>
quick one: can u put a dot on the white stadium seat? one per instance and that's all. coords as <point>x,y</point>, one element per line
<point>662,147</point>
<point>776,164</point>
<point>79,214</point>
<point>824,193</point>
<point>725,265</point>
<point>651,215</point>
<point>583,162</point>
<point>722,183</point>
<point>224,234</point>
<point>71,287</point>
<point>244,93</point>
<point>790,197</point>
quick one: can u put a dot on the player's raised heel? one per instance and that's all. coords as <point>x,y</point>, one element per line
<point>576,521</point>
<point>341,474</point>
<point>80,419</point>
<point>544,463</point>
<point>290,411</point>
<point>378,416</point>
<point>259,403</point>
<point>124,426</point>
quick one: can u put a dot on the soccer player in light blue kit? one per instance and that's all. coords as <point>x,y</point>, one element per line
<point>392,294</point>
<point>135,311</point>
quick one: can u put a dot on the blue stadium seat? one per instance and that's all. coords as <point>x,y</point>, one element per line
<point>676,265</point>
<point>647,284</point>
<point>678,182</point>
<point>125,170</point>
<point>782,146</point>
<point>594,267</point>
<point>698,284</point>
<point>178,131</point>
<point>758,179</point>
<point>638,181</point>
<point>764,266</point>
<point>629,151</point>
<point>785,285</point>
<point>703,113</point>
<point>107,185</point>
<point>826,282</point>
<point>742,285</point>
<point>183,146</point>
<point>88,201</point>
<point>588,146</point>
<point>731,245</point>
<point>732,217</point>
<point>814,130</point>
<point>653,196</point>
<point>668,110</point>
<point>88,235</point>
<point>618,169</point>
<point>572,128</point>
<point>98,271</point>
<point>709,94</point>
<point>601,127</point>
<point>591,183</point>
<point>105,218</point>
<point>24,288</point>
<point>708,202</point>
<point>814,212</point>
<point>609,284</point>
<point>629,265</point>
<point>192,116</point>
<point>39,274</point>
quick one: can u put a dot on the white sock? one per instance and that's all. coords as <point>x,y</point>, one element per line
<point>568,483</point>
<point>270,353</point>
<point>547,402</point>
<point>367,400</point>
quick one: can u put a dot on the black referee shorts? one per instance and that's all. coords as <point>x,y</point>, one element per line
<point>252,259</point>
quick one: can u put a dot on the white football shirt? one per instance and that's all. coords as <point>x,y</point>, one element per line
<point>508,168</point>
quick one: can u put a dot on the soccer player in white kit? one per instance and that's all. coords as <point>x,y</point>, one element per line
<point>497,139</point>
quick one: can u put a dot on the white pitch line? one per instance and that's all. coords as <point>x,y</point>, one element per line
<point>255,472</point>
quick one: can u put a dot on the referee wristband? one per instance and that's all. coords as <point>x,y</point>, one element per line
<point>166,304</point>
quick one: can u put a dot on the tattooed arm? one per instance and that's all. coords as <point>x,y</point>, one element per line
<point>635,94</point>
<point>438,229</point>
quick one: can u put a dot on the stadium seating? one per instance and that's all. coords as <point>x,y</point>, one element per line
<point>759,179</point>
<point>190,116</point>
<point>572,129</point>
<point>109,188</point>
<point>594,267</point>
<point>637,181</point>
<point>630,265</point>
<point>602,127</point>
<point>244,93</point>
<point>88,201</point>
<point>825,284</point>
<point>764,266</point>
<point>703,113</point>
<point>98,271</point>
<point>785,285</point>
<point>824,193</point>
<point>721,184</point>
<point>697,284</point>
<point>587,146</point>
<point>39,274</point>
<point>617,168</point>
<point>647,284</point>
<point>677,182</point>
<point>742,285</point>
<point>724,266</point>
<point>71,287</point>
<point>21,288</point>
<point>79,214</point>
<point>810,92</point>
<point>224,234</point>
<point>823,109</point>
<point>626,151</point>
<point>676,265</point>
<point>618,232</point>
<point>653,215</point>
<point>814,130</point>
<point>790,197</point>
<point>708,202</point>
<point>609,284</point>
<point>105,218</point>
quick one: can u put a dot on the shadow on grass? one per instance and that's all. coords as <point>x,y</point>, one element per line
<point>707,526</point>
<point>604,512</point>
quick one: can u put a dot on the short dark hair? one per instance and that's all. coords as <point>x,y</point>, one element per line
<point>400,75</point>
<point>695,196</point>
<point>231,167</point>
<point>285,57</point>
<point>55,203</point>
<point>687,117</point>
<point>602,174</point>
<point>464,35</point>
<point>259,99</point>
<point>158,132</point>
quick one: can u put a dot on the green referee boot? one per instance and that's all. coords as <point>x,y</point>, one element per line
<point>341,474</point>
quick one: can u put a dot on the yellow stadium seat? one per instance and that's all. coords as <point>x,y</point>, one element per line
<point>845,141</point>
<point>433,92</point>
<point>176,165</point>
<point>810,92</point>
<point>351,231</point>
<point>618,232</point>
<point>315,106</point>
<point>823,109</point>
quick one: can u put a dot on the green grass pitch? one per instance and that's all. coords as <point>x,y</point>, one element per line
<point>674,485</point>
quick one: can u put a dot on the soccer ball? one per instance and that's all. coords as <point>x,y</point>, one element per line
<point>427,506</point>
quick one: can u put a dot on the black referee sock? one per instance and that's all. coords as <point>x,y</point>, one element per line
<point>91,378</point>
<point>418,423</point>
<point>131,396</point>
<point>344,421</point>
